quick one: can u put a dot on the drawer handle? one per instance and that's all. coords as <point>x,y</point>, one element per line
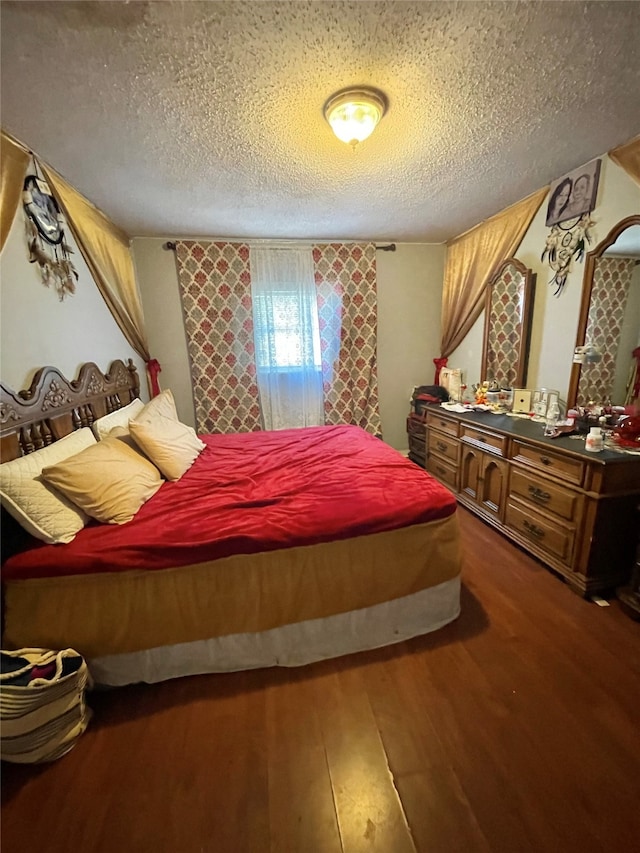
<point>441,445</point>
<point>539,495</point>
<point>482,438</point>
<point>535,531</point>
<point>545,460</point>
<point>440,470</point>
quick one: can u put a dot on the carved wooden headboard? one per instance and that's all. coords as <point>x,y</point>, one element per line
<point>53,406</point>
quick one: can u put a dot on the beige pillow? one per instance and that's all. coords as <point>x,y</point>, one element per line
<point>120,418</point>
<point>109,481</point>
<point>171,445</point>
<point>41,510</point>
<point>163,405</point>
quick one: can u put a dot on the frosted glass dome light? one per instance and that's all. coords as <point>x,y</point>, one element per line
<point>354,113</point>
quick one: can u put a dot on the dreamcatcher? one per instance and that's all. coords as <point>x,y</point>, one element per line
<point>45,237</point>
<point>565,242</point>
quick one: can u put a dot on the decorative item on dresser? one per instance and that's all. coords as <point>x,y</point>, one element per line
<point>573,510</point>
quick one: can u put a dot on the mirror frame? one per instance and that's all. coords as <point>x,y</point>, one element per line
<point>587,289</point>
<point>526,314</point>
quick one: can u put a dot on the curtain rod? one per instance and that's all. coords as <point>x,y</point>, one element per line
<point>390,247</point>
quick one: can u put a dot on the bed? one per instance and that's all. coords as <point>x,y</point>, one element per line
<point>274,548</point>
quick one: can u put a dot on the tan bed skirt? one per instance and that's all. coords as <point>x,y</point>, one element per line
<point>125,616</point>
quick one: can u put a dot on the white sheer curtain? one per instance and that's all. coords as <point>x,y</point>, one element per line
<point>287,338</point>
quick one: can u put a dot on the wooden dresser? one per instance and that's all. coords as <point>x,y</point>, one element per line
<point>575,511</point>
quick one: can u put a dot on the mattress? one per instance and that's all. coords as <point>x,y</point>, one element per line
<point>248,493</point>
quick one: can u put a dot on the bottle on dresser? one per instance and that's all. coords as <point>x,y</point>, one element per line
<point>551,420</point>
<point>594,441</point>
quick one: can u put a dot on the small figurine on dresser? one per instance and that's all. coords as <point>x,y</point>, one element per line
<point>480,392</point>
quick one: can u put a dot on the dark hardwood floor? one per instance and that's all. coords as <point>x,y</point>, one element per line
<point>514,729</point>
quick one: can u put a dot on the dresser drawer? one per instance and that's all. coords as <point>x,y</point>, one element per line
<point>436,421</point>
<point>564,467</point>
<point>417,446</point>
<point>446,473</point>
<point>547,535</point>
<point>415,427</point>
<point>443,445</point>
<point>488,440</point>
<point>554,498</point>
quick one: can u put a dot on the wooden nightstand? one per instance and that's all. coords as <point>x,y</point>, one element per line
<point>417,434</point>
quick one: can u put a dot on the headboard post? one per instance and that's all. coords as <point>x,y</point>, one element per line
<point>135,380</point>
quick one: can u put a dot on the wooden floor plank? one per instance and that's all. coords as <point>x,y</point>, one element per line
<point>513,729</point>
<point>370,814</point>
<point>437,810</point>
<point>302,813</point>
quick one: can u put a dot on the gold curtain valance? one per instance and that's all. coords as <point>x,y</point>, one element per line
<point>14,160</point>
<point>472,258</point>
<point>627,156</point>
<point>103,245</point>
<point>105,248</point>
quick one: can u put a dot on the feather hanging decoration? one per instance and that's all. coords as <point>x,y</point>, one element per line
<point>53,261</point>
<point>565,243</point>
<point>60,273</point>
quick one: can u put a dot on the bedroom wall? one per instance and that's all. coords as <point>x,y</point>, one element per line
<point>36,328</point>
<point>555,318</point>
<point>409,296</point>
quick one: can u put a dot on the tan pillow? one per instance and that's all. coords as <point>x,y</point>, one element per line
<point>163,405</point>
<point>109,481</point>
<point>120,418</point>
<point>41,510</point>
<point>171,445</point>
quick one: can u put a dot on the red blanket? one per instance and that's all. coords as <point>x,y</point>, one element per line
<point>253,492</point>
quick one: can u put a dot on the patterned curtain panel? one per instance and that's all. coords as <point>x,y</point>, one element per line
<point>215,287</point>
<point>611,281</point>
<point>345,276</point>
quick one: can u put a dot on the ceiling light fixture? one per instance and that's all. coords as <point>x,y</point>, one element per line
<point>354,113</point>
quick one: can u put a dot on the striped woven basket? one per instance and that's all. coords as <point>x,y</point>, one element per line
<point>42,704</point>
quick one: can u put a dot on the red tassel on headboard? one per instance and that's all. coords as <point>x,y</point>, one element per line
<point>153,369</point>
<point>439,363</point>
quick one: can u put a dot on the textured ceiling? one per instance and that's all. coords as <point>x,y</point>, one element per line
<point>205,118</point>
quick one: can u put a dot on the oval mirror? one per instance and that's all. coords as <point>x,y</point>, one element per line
<point>609,321</point>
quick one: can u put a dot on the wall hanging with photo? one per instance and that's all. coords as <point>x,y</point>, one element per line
<point>571,200</point>
<point>574,195</point>
<point>45,237</point>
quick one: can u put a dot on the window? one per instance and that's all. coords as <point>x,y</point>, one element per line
<point>286,329</point>
<point>286,335</point>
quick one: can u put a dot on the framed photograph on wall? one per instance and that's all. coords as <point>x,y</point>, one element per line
<point>574,194</point>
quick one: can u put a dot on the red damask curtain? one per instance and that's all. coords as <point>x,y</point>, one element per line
<point>345,276</point>
<point>215,288</point>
